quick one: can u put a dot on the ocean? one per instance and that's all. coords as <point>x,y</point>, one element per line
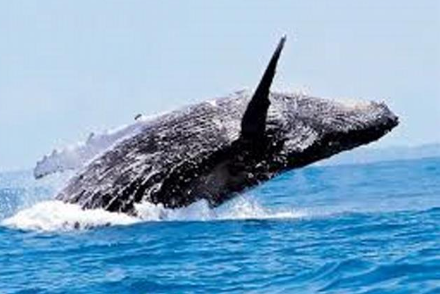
<point>371,228</point>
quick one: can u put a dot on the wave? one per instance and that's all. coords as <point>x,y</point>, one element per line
<point>59,216</point>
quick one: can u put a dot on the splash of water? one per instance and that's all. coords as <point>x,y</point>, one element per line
<point>59,216</point>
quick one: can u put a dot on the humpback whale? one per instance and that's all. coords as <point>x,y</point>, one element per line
<point>217,149</point>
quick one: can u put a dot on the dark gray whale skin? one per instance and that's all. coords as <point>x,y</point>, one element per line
<point>214,150</point>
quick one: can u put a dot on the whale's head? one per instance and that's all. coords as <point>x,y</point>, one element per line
<point>313,128</point>
<point>298,129</point>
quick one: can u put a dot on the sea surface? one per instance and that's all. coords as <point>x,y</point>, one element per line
<point>372,228</point>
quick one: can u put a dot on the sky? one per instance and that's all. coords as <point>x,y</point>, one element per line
<point>68,68</point>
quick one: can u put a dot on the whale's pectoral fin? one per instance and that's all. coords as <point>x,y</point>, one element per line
<point>253,124</point>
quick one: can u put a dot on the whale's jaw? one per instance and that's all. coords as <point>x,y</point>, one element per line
<point>340,127</point>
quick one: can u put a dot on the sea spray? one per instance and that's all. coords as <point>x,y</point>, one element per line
<point>59,216</point>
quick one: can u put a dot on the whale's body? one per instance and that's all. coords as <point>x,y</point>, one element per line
<point>196,153</point>
<point>214,150</point>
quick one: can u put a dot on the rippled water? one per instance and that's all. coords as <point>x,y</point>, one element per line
<point>342,229</point>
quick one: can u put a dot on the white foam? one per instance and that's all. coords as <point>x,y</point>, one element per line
<point>237,209</point>
<point>59,216</point>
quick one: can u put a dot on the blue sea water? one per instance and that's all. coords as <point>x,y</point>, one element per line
<point>338,229</point>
